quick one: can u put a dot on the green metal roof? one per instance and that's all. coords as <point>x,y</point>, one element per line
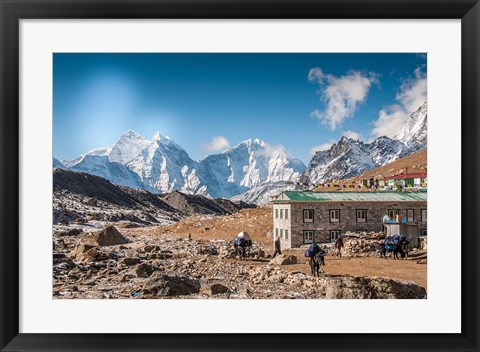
<point>354,197</point>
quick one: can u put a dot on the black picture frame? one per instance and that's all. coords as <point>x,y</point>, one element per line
<point>11,11</point>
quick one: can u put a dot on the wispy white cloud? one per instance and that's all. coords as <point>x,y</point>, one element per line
<point>352,134</point>
<point>217,144</point>
<point>410,96</point>
<point>341,95</point>
<point>320,148</point>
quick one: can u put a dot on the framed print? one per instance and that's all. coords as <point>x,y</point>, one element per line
<point>229,175</point>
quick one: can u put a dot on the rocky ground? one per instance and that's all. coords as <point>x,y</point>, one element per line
<point>140,263</point>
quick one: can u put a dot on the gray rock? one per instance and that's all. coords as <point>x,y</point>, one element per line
<point>145,270</point>
<point>213,289</point>
<point>349,287</point>
<point>60,258</point>
<point>129,261</point>
<point>110,236</point>
<point>172,284</point>
<point>283,259</point>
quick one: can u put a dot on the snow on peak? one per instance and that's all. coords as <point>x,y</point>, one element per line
<point>156,137</point>
<point>251,142</point>
<point>127,147</point>
<point>130,134</point>
<point>414,132</point>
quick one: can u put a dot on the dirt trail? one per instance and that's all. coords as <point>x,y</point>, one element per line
<point>258,223</point>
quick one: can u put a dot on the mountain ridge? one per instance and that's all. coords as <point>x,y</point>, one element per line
<point>160,165</point>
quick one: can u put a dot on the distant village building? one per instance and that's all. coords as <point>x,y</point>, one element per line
<point>301,218</point>
<point>417,180</point>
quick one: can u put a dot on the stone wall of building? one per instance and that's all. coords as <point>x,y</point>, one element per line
<point>322,226</point>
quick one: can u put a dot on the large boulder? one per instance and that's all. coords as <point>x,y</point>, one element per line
<point>283,259</point>
<point>350,287</point>
<point>110,236</point>
<point>171,284</point>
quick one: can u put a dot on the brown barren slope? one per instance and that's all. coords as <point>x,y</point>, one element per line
<point>414,163</point>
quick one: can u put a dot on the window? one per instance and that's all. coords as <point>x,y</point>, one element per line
<point>392,213</point>
<point>334,215</point>
<point>276,233</point>
<point>276,213</point>
<point>361,215</point>
<point>424,215</point>
<point>308,236</point>
<point>423,232</point>
<point>308,215</point>
<point>286,234</point>
<point>286,214</point>
<point>281,213</point>
<point>410,215</point>
<point>281,233</point>
<point>334,234</point>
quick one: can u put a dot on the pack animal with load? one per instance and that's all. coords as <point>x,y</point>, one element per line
<point>395,244</point>
<point>240,244</point>
<point>315,257</point>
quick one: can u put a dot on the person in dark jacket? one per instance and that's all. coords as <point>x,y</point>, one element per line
<point>339,245</point>
<point>277,246</point>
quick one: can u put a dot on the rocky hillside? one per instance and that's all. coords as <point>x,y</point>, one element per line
<point>83,198</point>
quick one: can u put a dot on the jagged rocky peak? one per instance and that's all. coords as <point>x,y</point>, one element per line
<point>350,157</point>
<point>162,165</point>
<point>252,144</point>
<point>344,145</point>
<point>414,132</point>
<point>127,147</point>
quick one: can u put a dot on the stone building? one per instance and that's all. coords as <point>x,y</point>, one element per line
<point>304,217</point>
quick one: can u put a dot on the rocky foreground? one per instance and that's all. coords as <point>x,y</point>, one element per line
<point>111,264</point>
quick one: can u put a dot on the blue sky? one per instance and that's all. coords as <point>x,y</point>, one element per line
<point>206,102</point>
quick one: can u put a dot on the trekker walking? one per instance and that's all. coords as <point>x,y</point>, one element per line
<point>277,247</point>
<point>339,245</point>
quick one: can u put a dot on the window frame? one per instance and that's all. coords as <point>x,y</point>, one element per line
<point>421,215</point>
<point>281,213</point>
<point>286,213</point>
<point>313,216</point>
<point>313,236</point>
<point>330,215</point>
<point>281,234</point>
<point>286,234</point>
<point>413,214</point>
<point>276,213</point>
<point>356,215</point>
<point>391,209</point>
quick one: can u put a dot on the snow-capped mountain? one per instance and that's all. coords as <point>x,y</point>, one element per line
<point>263,193</point>
<point>248,165</point>
<point>99,165</point>
<point>414,133</point>
<point>161,165</point>
<point>252,169</point>
<point>57,164</point>
<point>349,157</point>
<point>165,166</point>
